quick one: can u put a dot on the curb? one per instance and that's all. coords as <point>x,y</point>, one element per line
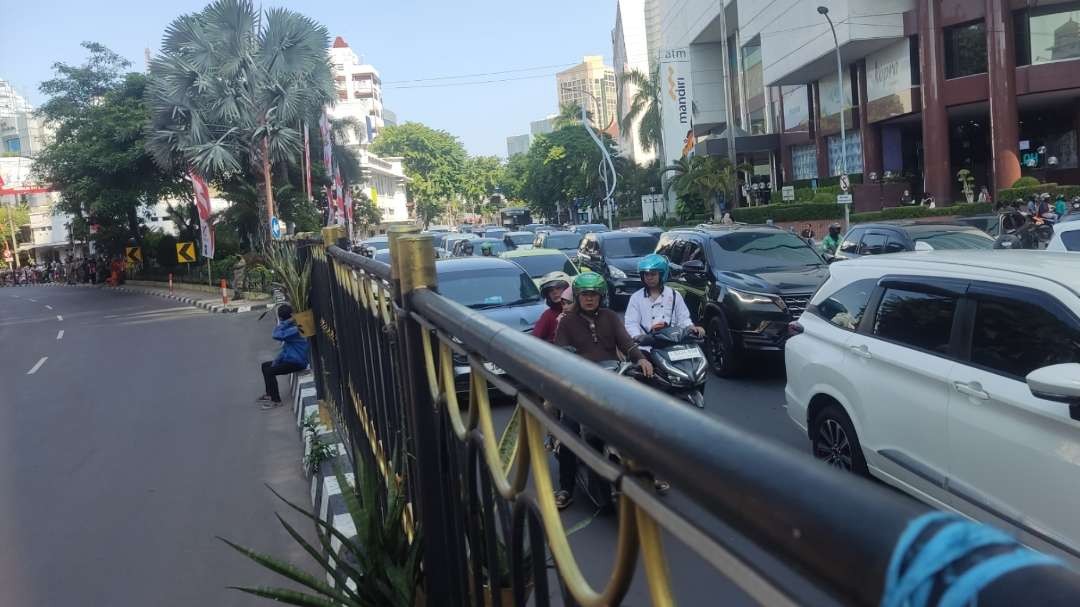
<point>326,499</point>
<point>205,305</point>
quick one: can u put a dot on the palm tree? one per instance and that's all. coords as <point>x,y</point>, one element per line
<point>570,114</point>
<point>644,104</point>
<point>229,87</point>
<point>702,178</point>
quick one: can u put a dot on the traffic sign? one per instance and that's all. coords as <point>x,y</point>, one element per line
<point>275,227</point>
<point>185,252</point>
<point>133,254</point>
<point>843,199</point>
<point>788,193</point>
<point>845,183</point>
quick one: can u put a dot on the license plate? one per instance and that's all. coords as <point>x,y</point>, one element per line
<point>686,354</point>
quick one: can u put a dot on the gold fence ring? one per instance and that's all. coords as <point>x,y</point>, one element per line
<point>453,409</point>
<point>508,489</point>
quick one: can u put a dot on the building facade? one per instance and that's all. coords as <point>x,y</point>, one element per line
<point>359,94</point>
<point>630,52</point>
<point>927,88</point>
<point>518,144</point>
<point>543,126</point>
<point>384,182</point>
<point>590,85</point>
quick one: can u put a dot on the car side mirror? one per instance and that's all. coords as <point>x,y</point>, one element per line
<point>1060,383</point>
<point>694,266</point>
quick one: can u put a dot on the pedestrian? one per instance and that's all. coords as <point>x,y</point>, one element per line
<point>906,199</point>
<point>726,219</point>
<point>293,357</point>
<point>808,232</point>
<point>984,195</point>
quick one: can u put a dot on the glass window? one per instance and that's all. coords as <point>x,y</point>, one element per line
<point>1071,240</point>
<point>845,307</point>
<point>965,49</point>
<point>1054,33</point>
<point>854,153</point>
<point>851,241</point>
<point>916,69</point>
<point>490,287</point>
<point>634,246</point>
<point>873,244</point>
<point>920,320</point>
<point>1017,337</point>
<point>562,241</point>
<point>804,161</point>
<point>895,246</point>
<point>538,265</point>
<point>765,250</point>
<point>955,239</point>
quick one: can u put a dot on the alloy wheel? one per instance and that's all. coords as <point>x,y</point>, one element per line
<point>833,446</point>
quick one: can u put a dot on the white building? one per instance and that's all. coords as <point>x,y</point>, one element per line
<point>630,51</point>
<point>384,182</point>
<point>359,93</point>
<point>591,85</point>
<point>543,126</point>
<point>518,144</point>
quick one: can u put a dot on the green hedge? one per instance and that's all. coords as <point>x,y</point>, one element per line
<point>831,210</point>
<point>1012,194</point>
<point>1025,182</point>
<point>961,210</point>
<point>807,195</point>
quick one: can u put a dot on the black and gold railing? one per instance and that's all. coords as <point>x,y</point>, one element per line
<point>783,528</point>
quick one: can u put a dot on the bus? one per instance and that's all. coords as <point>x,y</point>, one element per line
<point>515,218</point>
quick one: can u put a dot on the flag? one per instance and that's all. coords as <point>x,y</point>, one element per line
<point>330,206</point>
<point>339,195</point>
<point>327,142</point>
<point>202,204</point>
<point>348,206</point>
<point>307,163</point>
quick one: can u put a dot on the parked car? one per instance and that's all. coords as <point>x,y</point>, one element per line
<point>896,237</point>
<point>519,240</point>
<point>567,242</point>
<point>989,223</point>
<point>650,230</point>
<point>459,250</point>
<point>744,284</point>
<point>953,376</point>
<point>448,242</point>
<point>438,229</point>
<point>1066,237</point>
<point>539,262</point>
<point>367,247</point>
<point>536,228</point>
<point>586,228</point>
<point>615,255</point>
<point>493,232</point>
<point>498,289</point>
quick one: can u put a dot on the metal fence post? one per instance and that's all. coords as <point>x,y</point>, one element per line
<point>413,262</point>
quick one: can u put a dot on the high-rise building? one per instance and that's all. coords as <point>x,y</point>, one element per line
<point>359,93</point>
<point>653,31</point>
<point>11,102</point>
<point>21,132</point>
<point>518,144</point>
<point>591,85</point>
<point>542,127</point>
<point>630,52</point>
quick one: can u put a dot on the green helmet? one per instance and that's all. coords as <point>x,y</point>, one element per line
<point>589,282</point>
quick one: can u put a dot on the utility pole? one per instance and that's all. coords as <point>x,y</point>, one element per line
<point>824,10</point>
<point>729,111</point>
<point>11,226</point>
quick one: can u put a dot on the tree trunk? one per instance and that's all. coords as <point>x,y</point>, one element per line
<point>133,225</point>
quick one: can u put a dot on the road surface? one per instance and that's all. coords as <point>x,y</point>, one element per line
<point>130,439</point>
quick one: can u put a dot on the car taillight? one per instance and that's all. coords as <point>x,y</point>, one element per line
<point>794,328</point>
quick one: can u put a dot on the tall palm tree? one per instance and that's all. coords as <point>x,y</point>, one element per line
<point>704,177</point>
<point>229,86</point>
<point>645,104</point>
<point>570,114</point>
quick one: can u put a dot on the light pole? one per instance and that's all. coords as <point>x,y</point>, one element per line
<point>824,10</point>
<point>607,166</point>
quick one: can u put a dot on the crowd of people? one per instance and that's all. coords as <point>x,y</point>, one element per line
<point>70,270</point>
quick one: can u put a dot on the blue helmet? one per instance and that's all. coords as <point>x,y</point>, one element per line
<point>654,263</point>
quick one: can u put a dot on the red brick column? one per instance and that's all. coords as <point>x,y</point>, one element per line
<point>937,178</point>
<point>1004,121</point>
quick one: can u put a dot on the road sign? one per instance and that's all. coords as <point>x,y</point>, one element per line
<point>843,199</point>
<point>275,227</point>
<point>185,252</point>
<point>788,193</point>
<point>845,183</point>
<point>133,254</point>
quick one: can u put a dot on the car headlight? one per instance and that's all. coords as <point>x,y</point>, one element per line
<point>752,299</point>
<point>616,273</point>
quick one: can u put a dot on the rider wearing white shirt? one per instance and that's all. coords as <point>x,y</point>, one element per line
<point>656,306</point>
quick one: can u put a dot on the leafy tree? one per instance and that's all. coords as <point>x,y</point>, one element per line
<point>17,214</point>
<point>229,87</point>
<point>365,212</point>
<point>98,158</point>
<point>560,167</point>
<point>699,180</point>
<point>483,174</point>
<point>645,104</point>
<point>570,115</point>
<point>634,182</point>
<point>434,162</point>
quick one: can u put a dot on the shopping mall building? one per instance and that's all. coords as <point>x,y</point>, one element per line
<point>928,87</point>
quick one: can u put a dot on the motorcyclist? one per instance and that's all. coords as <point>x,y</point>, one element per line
<point>1060,206</point>
<point>487,249</point>
<point>552,286</point>
<point>655,305</point>
<point>597,334</point>
<point>467,248</point>
<point>831,242</point>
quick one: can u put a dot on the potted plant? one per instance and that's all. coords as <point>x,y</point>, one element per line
<point>967,184</point>
<point>295,280</point>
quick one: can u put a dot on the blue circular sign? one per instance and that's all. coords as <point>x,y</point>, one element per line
<point>275,227</point>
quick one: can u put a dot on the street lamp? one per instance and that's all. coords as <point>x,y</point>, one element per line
<point>607,166</point>
<point>824,11</point>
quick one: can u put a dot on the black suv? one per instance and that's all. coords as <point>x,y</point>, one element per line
<point>615,255</point>
<point>744,284</point>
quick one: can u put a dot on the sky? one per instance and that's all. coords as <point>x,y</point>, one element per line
<point>406,40</point>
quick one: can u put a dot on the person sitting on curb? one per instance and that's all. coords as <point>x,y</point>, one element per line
<point>292,358</point>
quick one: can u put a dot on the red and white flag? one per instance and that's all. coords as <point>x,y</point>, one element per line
<point>202,204</point>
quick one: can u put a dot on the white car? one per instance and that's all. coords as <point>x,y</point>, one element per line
<point>1066,237</point>
<point>954,376</point>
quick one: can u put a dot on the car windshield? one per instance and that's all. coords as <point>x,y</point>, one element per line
<point>956,239</point>
<point>526,238</point>
<point>631,246</point>
<point>538,265</point>
<point>562,241</point>
<point>489,287</point>
<point>750,251</point>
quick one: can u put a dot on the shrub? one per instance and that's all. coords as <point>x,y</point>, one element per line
<point>165,251</point>
<point>1025,182</point>
<point>1006,195</point>
<point>788,212</point>
<point>962,210</point>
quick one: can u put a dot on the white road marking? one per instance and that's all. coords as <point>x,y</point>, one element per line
<point>60,318</point>
<point>48,306</point>
<point>34,369</point>
<point>60,334</point>
<point>33,300</point>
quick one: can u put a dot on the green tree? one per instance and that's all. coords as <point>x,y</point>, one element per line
<point>560,167</point>
<point>644,104</point>
<point>699,180</point>
<point>365,212</point>
<point>483,174</point>
<point>230,86</point>
<point>570,115</point>
<point>98,158</point>
<point>12,214</point>
<point>434,161</point>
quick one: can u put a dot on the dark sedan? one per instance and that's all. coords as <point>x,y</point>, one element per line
<point>896,237</point>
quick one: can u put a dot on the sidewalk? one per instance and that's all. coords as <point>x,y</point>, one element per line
<point>201,299</point>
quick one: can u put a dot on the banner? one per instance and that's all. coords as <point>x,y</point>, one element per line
<point>676,101</point>
<point>202,205</point>
<point>339,196</point>
<point>888,82</point>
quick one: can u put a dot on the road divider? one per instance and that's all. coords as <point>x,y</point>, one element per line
<point>37,365</point>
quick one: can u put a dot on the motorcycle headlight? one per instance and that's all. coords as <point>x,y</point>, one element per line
<point>756,299</point>
<point>616,273</point>
<point>675,374</point>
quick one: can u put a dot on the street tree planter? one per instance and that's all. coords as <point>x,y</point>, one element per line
<point>305,321</point>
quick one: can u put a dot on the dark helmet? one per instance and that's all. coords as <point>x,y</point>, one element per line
<point>284,312</point>
<point>834,227</point>
<point>467,248</point>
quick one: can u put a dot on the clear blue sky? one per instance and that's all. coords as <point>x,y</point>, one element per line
<point>403,39</point>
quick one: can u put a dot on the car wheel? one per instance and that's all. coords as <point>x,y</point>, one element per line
<point>720,348</point>
<point>834,441</point>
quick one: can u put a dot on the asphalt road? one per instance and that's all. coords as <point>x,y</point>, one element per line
<point>131,446</point>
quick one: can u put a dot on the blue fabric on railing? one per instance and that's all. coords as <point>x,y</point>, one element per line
<point>929,550</point>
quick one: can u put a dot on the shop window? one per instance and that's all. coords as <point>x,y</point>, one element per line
<point>1054,33</point>
<point>804,161</point>
<point>965,49</point>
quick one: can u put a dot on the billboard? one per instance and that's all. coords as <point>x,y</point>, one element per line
<point>888,82</point>
<point>676,101</point>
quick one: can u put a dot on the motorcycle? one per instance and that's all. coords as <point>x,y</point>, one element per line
<point>1018,230</point>
<point>679,366</point>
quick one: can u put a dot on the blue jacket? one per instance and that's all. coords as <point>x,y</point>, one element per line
<point>294,347</point>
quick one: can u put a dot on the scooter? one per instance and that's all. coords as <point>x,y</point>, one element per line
<point>679,366</point>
